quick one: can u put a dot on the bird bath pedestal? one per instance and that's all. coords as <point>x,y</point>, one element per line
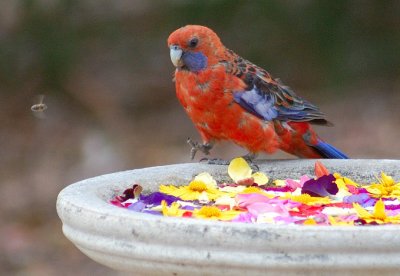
<point>144,244</point>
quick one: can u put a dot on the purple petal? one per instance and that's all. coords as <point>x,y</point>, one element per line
<point>362,190</point>
<point>322,186</point>
<point>358,198</point>
<point>152,212</point>
<point>392,207</point>
<point>137,206</point>
<point>188,207</point>
<point>283,189</point>
<point>156,198</point>
<point>363,199</point>
<point>369,203</point>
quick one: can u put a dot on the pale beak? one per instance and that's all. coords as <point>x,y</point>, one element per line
<point>176,55</point>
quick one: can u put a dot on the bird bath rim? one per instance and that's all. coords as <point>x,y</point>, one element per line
<point>144,243</point>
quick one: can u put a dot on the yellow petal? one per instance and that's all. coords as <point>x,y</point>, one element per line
<point>310,221</point>
<point>348,181</point>
<point>207,179</point>
<point>387,180</point>
<point>340,183</point>
<point>253,190</point>
<point>164,207</point>
<point>337,175</point>
<point>379,210</point>
<point>260,178</point>
<point>333,221</point>
<point>307,199</point>
<point>343,190</point>
<point>344,181</point>
<point>207,212</point>
<point>239,169</point>
<point>197,186</point>
<point>279,183</point>
<point>172,211</point>
<point>167,189</point>
<point>361,212</point>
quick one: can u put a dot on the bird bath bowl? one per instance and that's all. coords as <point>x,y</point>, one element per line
<point>145,244</point>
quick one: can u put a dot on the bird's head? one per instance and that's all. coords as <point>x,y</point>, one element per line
<point>194,48</point>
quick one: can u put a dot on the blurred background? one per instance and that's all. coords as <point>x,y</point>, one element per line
<point>105,71</point>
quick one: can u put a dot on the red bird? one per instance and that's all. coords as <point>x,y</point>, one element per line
<point>230,98</point>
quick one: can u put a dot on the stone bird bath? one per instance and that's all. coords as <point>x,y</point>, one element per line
<point>144,244</point>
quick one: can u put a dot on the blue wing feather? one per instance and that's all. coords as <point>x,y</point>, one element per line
<point>258,104</point>
<point>329,151</point>
<point>265,106</point>
<point>269,98</point>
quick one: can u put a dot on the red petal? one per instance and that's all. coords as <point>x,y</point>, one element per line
<point>116,203</point>
<point>306,210</point>
<point>340,205</point>
<point>246,182</point>
<point>223,207</point>
<point>187,214</point>
<point>320,169</point>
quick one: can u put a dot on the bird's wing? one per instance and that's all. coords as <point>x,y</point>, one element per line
<point>269,98</point>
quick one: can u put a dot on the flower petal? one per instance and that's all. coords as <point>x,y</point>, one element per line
<point>320,169</point>
<point>226,200</point>
<point>361,212</point>
<point>173,210</point>
<point>386,179</point>
<point>207,179</point>
<point>322,186</point>
<point>137,206</point>
<point>239,169</point>
<point>379,210</point>
<point>203,198</point>
<point>245,217</point>
<point>260,178</point>
<point>156,198</point>
<point>363,199</point>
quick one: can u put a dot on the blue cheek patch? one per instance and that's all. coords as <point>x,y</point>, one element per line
<point>195,61</point>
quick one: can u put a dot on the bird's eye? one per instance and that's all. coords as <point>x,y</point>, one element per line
<point>193,42</point>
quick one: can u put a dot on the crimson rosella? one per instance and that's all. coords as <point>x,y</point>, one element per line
<point>230,98</point>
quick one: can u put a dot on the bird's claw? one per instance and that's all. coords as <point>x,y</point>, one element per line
<point>250,157</point>
<point>214,161</point>
<point>196,146</point>
<point>254,167</point>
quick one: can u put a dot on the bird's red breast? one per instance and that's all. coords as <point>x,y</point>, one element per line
<point>207,97</point>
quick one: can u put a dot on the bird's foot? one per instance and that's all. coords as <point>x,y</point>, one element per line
<point>196,146</point>
<point>215,161</point>
<point>250,157</point>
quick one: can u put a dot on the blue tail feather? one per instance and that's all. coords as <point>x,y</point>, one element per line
<point>328,151</point>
